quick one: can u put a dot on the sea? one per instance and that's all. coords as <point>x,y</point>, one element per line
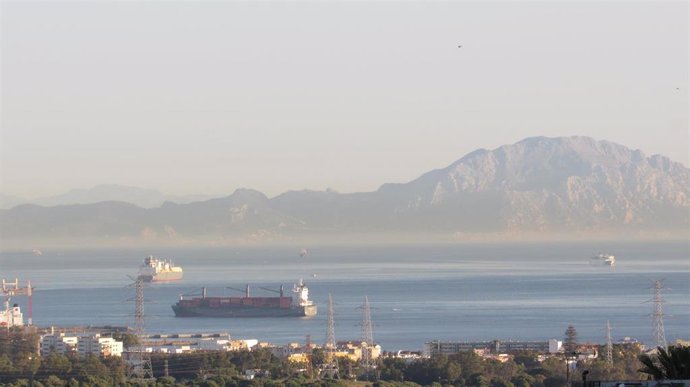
<point>417,293</point>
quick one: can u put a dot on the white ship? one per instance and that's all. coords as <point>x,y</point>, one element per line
<point>11,316</point>
<point>603,259</point>
<point>157,270</point>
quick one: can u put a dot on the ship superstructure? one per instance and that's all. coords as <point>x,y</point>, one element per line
<point>246,306</point>
<point>159,270</point>
<point>11,316</point>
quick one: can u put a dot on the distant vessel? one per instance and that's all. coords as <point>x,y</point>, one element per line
<point>157,270</point>
<point>37,252</point>
<point>247,306</point>
<point>11,317</point>
<point>603,259</point>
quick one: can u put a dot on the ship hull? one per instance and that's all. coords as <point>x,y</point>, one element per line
<point>162,277</point>
<point>232,312</point>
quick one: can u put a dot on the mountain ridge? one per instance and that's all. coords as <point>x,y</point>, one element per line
<point>142,197</point>
<point>538,185</point>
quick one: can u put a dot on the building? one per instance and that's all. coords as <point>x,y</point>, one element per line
<point>353,350</point>
<point>58,343</point>
<point>99,346</point>
<point>495,346</point>
<point>82,345</point>
<point>183,343</point>
<point>288,350</point>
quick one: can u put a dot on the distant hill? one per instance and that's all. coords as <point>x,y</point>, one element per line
<point>539,186</point>
<point>8,201</point>
<point>145,198</point>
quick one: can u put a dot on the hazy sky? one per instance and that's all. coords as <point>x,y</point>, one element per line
<point>190,97</point>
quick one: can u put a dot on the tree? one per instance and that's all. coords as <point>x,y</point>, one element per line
<point>570,341</point>
<point>500,382</point>
<point>522,380</point>
<point>671,363</point>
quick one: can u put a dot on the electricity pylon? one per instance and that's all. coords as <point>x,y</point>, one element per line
<point>658,315</point>
<point>139,362</point>
<point>329,369</point>
<point>609,345</point>
<point>367,340</point>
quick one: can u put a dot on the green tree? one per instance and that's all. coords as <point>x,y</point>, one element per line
<point>478,380</point>
<point>53,381</point>
<point>500,382</point>
<point>55,364</point>
<point>470,362</point>
<point>523,380</point>
<point>570,340</point>
<point>671,363</point>
<point>553,367</point>
<point>527,359</point>
<point>555,381</point>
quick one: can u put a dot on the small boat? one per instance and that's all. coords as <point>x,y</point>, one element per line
<point>603,259</point>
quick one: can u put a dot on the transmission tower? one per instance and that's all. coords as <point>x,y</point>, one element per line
<point>329,369</point>
<point>609,345</point>
<point>139,360</point>
<point>367,340</point>
<point>658,315</point>
<point>308,355</point>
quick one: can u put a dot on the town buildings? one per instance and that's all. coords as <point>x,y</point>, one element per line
<point>494,346</point>
<point>80,345</point>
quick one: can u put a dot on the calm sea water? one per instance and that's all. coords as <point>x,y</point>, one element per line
<point>417,293</point>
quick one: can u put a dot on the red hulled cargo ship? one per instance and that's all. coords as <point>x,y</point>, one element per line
<point>282,306</point>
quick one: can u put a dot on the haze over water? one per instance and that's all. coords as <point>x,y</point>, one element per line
<point>418,293</point>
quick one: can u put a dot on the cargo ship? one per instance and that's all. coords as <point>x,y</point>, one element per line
<point>157,270</point>
<point>281,306</point>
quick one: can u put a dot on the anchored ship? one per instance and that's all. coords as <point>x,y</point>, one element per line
<point>157,270</point>
<point>603,259</point>
<point>281,306</point>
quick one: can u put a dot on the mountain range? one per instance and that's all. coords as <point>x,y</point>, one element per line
<point>539,186</point>
<point>141,197</point>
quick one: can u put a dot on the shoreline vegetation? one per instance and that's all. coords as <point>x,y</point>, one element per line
<point>20,365</point>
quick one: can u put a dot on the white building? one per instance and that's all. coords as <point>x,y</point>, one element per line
<point>82,345</point>
<point>555,346</point>
<point>99,346</point>
<point>183,343</point>
<point>58,343</point>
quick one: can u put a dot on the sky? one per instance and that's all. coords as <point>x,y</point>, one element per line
<point>207,97</point>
